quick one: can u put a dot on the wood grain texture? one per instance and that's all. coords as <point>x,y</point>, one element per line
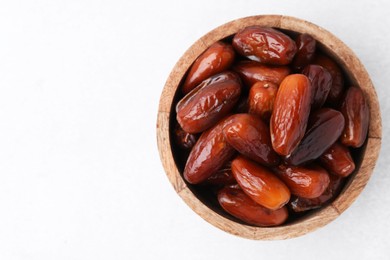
<point>357,75</point>
<point>352,190</point>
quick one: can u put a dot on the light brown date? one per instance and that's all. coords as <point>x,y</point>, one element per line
<point>238,204</point>
<point>337,89</point>
<point>249,135</point>
<point>265,45</point>
<point>290,113</point>
<point>208,103</point>
<point>306,46</point>
<point>260,184</point>
<point>338,160</point>
<point>357,116</point>
<point>252,72</point>
<point>306,182</point>
<point>298,204</point>
<point>321,83</point>
<point>217,58</point>
<point>208,155</point>
<point>261,99</point>
<point>324,128</point>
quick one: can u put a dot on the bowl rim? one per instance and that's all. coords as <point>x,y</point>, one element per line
<point>358,76</point>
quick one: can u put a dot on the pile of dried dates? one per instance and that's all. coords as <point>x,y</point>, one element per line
<point>268,122</point>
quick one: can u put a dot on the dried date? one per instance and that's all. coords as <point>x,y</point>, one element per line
<point>217,58</point>
<point>265,45</point>
<point>260,184</point>
<point>237,203</point>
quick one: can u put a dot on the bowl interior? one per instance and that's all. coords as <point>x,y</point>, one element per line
<point>202,199</point>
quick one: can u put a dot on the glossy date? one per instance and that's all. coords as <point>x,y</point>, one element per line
<point>260,184</point>
<point>338,160</point>
<point>337,89</point>
<point>298,204</point>
<point>261,99</point>
<point>208,155</point>
<point>290,113</point>
<point>208,103</point>
<point>252,72</point>
<point>217,58</point>
<point>324,128</point>
<point>357,116</point>
<point>238,204</point>
<point>306,182</point>
<point>306,46</point>
<point>265,45</point>
<point>249,135</point>
<point>321,83</point>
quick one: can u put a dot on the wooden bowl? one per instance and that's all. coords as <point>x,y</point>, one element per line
<point>356,74</point>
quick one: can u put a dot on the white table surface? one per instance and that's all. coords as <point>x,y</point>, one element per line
<point>80,175</point>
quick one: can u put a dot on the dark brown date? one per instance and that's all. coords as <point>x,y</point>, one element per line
<point>208,155</point>
<point>217,58</point>
<point>306,46</point>
<point>321,83</point>
<point>299,204</point>
<point>242,104</point>
<point>208,103</point>
<point>238,204</point>
<point>249,135</point>
<point>324,128</point>
<point>306,182</point>
<point>290,113</point>
<point>222,177</point>
<point>184,139</point>
<point>252,72</point>
<point>357,117</point>
<point>338,160</point>
<point>261,99</point>
<point>260,184</point>
<point>265,45</point>
<point>336,91</point>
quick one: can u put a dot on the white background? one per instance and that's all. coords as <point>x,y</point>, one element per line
<point>80,175</point>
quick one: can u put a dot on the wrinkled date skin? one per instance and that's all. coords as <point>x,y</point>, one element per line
<point>306,45</point>
<point>222,177</point>
<point>261,99</point>
<point>306,182</point>
<point>357,116</point>
<point>321,83</point>
<point>265,45</point>
<point>299,204</point>
<point>208,103</point>
<point>324,128</point>
<point>208,155</point>
<point>221,77</point>
<point>252,72</point>
<point>249,135</point>
<point>217,58</point>
<point>338,160</point>
<point>238,204</point>
<point>290,113</point>
<point>184,139</point>
<point>260,184</point>
<point>336,91</point>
